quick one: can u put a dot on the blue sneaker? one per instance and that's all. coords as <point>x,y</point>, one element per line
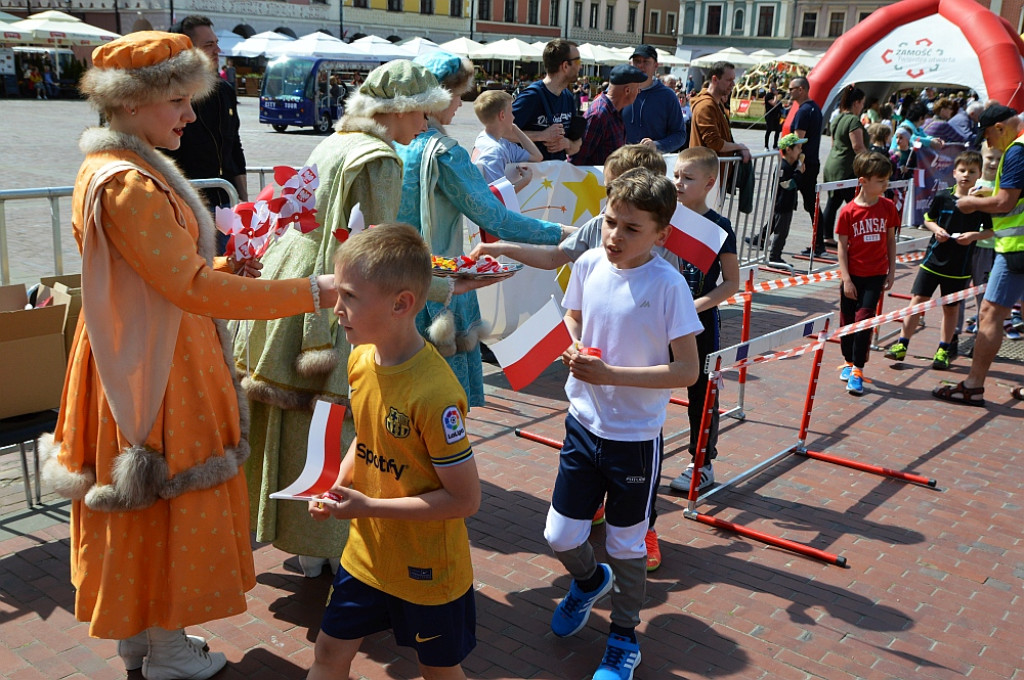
<point>621,657</point>
<point>572,612</point>
<point>844,374</point>
<point>855,385</point>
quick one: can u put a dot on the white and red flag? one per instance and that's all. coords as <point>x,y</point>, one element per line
<point>536,343</point>
<point>323,455</point>
<point>694,238</point>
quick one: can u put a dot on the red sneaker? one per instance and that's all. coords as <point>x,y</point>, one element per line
<point>653,550</point>
<point>598,516</point>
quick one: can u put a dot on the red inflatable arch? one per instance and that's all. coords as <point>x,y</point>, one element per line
<point>919,43</point>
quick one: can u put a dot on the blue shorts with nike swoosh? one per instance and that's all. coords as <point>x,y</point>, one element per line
<point>442,635</point>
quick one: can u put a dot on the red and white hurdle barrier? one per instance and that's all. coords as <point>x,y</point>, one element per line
<point>761,350</point>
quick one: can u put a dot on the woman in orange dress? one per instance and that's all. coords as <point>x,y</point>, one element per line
<point>153,429</point>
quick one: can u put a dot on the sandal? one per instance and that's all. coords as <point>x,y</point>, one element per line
<point>1017,393</point>
<point>960,394</point>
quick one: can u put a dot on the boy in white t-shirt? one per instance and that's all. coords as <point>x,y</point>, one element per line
<point>502,142</point>
<point>637,310</point>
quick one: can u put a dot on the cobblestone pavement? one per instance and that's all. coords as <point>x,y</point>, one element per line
<point>932,588</point>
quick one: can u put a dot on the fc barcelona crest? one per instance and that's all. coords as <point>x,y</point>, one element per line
<point>397,423</point>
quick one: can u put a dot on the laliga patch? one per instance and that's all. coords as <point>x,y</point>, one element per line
<point>454,430</point>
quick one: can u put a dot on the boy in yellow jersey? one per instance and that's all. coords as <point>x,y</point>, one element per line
<point>408,480</point>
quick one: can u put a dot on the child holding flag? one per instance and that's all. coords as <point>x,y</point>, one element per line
<point>409,479</point>
<point>635,308</point>
<point>695,174</point>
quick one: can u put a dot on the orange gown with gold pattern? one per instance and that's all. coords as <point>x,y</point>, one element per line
<point>181,555</point>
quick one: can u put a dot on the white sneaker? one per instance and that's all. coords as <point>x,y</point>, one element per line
<point>314,566</point>
<point>134,649</point>
<point>172,657</point>
<point>682,482</point>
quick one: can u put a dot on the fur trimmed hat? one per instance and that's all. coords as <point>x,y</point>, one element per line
<point>146,66</point>
<point>399,86</point>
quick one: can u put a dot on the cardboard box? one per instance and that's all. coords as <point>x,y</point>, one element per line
<point>66,290</point>
<point>32,359</point>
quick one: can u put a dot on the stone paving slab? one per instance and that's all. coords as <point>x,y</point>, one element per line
<point>932,588</point>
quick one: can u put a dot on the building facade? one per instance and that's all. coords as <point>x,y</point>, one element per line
<point>710,25</point>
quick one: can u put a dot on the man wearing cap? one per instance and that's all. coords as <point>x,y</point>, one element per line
<point>210,146</point>
<point>1002,129</point>
<point>544,110</point>
<point>655,118</point>
<point>606,130</point>
<point>807,124</point>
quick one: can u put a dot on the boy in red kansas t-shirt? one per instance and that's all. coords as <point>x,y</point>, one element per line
<point>866,231</point>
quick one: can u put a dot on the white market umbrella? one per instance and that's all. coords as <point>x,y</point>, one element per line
<point>460,46</point>
<point>738,58</point>
<point>417,46</point>
<point>317,45</point>
<point>510,49</point>
<point>802,57</point>
<point>9,35</point>
<point>598,54</point>
<point>258,44</point>
<point>57,28</point>
<point>379,49</point>
<point>667,58</point>
<point>226,40</point>
<point>763,56</point>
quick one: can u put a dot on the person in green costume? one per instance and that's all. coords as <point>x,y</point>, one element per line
<point>289,364</point>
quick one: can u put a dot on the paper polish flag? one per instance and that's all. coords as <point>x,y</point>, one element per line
<point>506,193</point>
<point>323,455</point>
<point>533,346</point>
<point>694,238</point>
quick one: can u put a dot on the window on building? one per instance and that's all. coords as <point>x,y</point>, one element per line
<point>655,21</point>
<point>577,14</point>
<point>426,6</point>
<point>809,26</point>
<point>864,15</point>
<point>714,23</point>
<point>609,17</point>
<point>454,8</point>
<point>510,12</point>
<point>737,22</point>
<point>765,21</point>
<point>670,23</point>
<point>594,11</point>
<point>631,19</point>
<point>836,24</point>
<point>394,5</point>
<point>533,12</point>
<point>360,3</point>
<point>483,10</point>
<point>554,15</point>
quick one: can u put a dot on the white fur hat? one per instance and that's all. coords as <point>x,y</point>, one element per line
<point>398,86</point>
<point>146,66</point>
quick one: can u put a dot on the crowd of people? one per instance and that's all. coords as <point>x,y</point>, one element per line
<point>175,463</point>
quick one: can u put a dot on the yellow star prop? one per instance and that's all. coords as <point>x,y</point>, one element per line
<point>589,193</point>
<point>546,183</point>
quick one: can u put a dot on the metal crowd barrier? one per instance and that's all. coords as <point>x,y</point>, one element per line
<point>53,195</point>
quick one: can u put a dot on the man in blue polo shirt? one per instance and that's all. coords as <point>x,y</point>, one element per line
<point>544,110</point>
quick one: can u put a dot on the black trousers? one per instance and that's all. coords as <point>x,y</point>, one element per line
<point>869,290</point>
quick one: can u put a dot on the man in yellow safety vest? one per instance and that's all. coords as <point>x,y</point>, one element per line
<point>1003,130</point>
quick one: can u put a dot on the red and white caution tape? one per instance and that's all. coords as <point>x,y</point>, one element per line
<point>785,354</point>
<point>899,314</point>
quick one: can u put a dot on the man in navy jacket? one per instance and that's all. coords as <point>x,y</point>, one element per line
<point>655,118</point>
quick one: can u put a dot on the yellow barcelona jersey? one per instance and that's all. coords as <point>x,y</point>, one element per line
<point>410,419</point>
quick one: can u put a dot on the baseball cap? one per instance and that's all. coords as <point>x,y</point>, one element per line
<point>997,113</point>
<point>645,51</point>
<point>624,74</point>
<point>792,139</point>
